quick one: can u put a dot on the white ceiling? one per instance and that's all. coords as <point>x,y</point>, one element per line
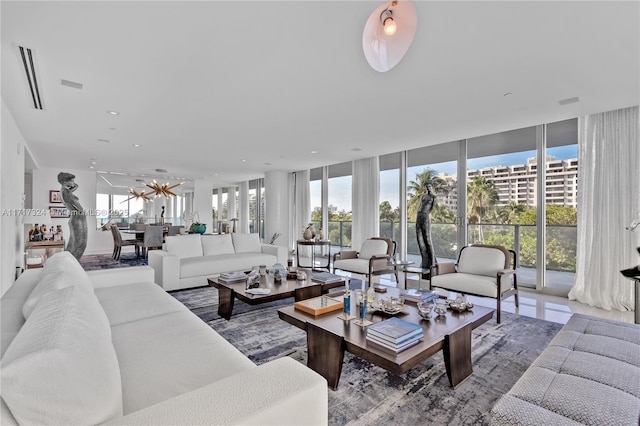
<point>204,85</point>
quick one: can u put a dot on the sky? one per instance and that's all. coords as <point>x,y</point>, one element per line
<point>340,188</point>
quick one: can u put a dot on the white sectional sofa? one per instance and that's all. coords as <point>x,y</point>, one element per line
<point>112,347</point>
<point>188,260</point>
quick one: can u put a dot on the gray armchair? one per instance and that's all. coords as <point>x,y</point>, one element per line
<point>482,270</point>
<point>372,259</point>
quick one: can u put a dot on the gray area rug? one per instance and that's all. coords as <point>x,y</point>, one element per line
<point>369,395</point>
<point>105,261</point>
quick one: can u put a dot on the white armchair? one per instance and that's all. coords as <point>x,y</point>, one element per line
<point>372,259</point>
<point>482,270</point>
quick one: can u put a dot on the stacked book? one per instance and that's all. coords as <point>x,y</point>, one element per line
<point>230,277</point>
<point>394,334</point>
<point>326,278</point>
<point>419,295</point>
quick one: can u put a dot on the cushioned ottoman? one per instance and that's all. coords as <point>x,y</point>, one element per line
<point>589,374</point>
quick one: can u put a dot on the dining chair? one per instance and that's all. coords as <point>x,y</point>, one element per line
<point>152,239</point>
<point>118,242</point>
<point>174,230</point>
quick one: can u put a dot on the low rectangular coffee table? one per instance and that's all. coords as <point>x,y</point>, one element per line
<point>328,337</point>
<point>300,290</point>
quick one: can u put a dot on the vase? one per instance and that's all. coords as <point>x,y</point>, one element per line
<point>321,235</point>
<point>307,235</point>
<point>312,229</point>
<point>199,228</point>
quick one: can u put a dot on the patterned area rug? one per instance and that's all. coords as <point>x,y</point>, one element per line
<point>105,261</point>
<point>369,395</point>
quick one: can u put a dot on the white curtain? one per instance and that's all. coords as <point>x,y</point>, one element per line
<point>608,201</point>
<point>243,210</point>
<point>300,208</point>
<point>365,201</point>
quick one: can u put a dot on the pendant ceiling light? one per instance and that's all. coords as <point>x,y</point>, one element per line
<point>388,33</point>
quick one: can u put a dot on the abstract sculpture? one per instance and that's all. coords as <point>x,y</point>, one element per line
<point>423,228</point>
<point>78,221</point>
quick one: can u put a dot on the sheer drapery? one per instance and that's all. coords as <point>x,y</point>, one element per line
<point>365,201</point>
<point>608,200</point>
<point>300,208</point>
<point>243,210</point>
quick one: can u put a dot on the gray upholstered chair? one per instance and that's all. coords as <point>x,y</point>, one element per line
<point>372,259</point>
<point>482,270</point>
<point>118,242</point>
<point>152,239</point>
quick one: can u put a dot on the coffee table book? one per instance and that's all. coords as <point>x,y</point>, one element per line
<point>314,306</point>
<point>394,330</point>
<point>326,277</point>
<point>390,348</point>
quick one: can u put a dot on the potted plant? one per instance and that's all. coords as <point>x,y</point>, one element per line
<point>196,226</point>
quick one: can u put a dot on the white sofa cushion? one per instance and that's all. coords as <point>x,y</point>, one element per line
<point>168,355</point>
<point>133,302</point>
<point>217,244</point>
<point>373,248</point>
<point>61,270</point>
<point>62,367</point>
<point>184,245</point>
<point>246,243</point>
<point>211,265</point>
<point>481,261</point>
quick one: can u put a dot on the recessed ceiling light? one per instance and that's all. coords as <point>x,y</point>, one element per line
<point>91,167</point>
<point>113,112</point>
<point>314,152</point>
<point>93,162</point>
<point>243,160</point>
<point>137,145</point>
<point>104,140</point>
<point>112,128</point>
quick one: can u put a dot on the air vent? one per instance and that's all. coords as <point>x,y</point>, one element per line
<point>569,101</point>
<point>71,84</point>
<point>30,71</point>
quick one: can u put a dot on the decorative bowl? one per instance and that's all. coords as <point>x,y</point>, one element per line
<point>441,307</point>
<point>425,309</point>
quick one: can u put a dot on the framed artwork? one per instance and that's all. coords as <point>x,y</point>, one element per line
<point>55,197</point>
<point>58,211</point>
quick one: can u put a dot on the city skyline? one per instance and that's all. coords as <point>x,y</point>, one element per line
<point>340,188</point>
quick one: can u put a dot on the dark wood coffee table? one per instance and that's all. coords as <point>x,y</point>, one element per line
<point>300,290</point>
<point>328,337</point>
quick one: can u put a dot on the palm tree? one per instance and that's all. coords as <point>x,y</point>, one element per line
<point>481,196</point>
<point>417,189</point>
<point>510,213</point>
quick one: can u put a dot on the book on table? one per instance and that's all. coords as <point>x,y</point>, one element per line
<point>326,277</point>
<point>232,276</point>
<point>385,346</point>
<point>395,331</point>
<point>419,295</point>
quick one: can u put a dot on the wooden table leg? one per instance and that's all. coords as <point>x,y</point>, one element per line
<point>457,355</point>
<point>325,354</point>
<point>225,302</point>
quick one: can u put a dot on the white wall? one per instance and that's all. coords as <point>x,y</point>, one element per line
<point>46,179</point>
<point>11,197</point>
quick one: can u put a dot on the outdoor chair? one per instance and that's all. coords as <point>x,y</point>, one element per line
<point>482,270</point>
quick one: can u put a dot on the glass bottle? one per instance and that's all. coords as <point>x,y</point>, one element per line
<point>371,295</point>
<point>346,309</point>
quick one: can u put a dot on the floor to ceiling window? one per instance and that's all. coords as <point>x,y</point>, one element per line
<point>437,164</point>
<point>561,204</point>
<point>390,197</point>
<point>339,197</point>
<point>315,197</point>
<point>501,195</point>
